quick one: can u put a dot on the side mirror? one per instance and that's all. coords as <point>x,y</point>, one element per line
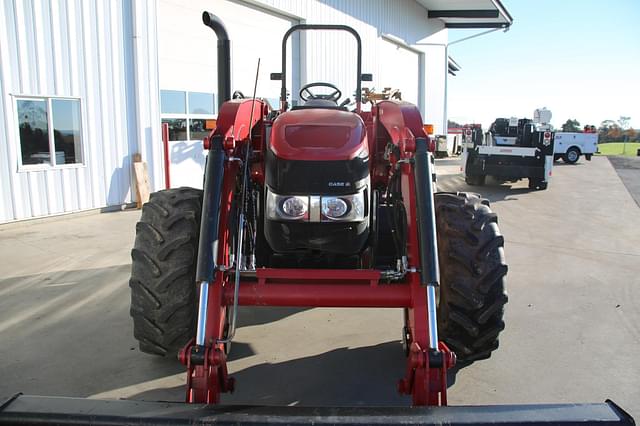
<point>276,76</point>
<point>366,77</point>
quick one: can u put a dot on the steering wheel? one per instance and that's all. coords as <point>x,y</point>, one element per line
<point>306,94</point>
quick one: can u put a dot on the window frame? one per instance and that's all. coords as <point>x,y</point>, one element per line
<point>52,165</point>
<point>189,116</point>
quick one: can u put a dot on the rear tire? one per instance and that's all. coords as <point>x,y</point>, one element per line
<point>473,269</point>
<point>475,180</point>
<point>163,288</point>
<point>571,156</point>
<point>537,184</point>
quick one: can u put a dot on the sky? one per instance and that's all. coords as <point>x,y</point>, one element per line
<point>578,58</point>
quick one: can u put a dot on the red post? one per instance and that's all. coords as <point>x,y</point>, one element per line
<point>167,160</point>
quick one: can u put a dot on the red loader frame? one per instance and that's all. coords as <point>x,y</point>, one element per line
<point>425,377</point>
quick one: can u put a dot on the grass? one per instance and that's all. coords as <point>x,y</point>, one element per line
<point>618,148</point>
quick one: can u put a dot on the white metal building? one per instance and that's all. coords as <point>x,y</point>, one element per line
<point>86,84</point>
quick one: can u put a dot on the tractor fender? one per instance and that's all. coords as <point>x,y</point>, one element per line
<point>234,116</point>
<point>396,116</point>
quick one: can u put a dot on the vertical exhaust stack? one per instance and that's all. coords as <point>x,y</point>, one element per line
<point>213,176</point>
<point>224,56</point>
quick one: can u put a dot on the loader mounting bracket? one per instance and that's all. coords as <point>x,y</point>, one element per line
<point>427,368</point>
<point>207,374</point>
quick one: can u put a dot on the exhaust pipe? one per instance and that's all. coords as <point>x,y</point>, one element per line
<point>213,181</point>
<point>224,56</point>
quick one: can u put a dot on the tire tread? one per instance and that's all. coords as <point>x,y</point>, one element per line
<point>163,290</point>
<point>473,269</point>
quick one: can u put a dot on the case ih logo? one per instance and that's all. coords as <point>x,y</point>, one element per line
<point>339,184</point>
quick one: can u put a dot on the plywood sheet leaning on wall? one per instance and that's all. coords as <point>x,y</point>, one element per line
<point>142,180</point>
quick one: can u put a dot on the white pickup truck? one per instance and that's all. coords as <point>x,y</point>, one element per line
<point>570,146</point>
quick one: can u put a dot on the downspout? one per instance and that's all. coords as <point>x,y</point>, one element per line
<point>145,83</point>
<point>137,90</point>
<point>134,42</point>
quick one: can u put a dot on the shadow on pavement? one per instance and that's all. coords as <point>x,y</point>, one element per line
<point>365,376</point>
<point>580,163</point>
<point>69,333</point>
<point>346,376</point>
<point>491,190</point>
<point>257,315</point>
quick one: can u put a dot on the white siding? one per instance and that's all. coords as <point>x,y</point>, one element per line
<point>115,55</point>
<point>332,57</point>
<point>188,63</point>
<point>82,49</point>
<point>405,74</point>
<point>435,80</point>
<point>392,33</point>
<point>325,56</point>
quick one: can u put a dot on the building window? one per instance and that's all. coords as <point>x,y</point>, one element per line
<point>50,131</point>
<point>172,102</point>
<point>177,128</point>
<point>200,103</point>
<point>187,113</point>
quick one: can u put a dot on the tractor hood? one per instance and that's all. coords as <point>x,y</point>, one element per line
<point>318,134</point>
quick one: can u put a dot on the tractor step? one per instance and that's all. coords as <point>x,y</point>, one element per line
<point>24,409</point>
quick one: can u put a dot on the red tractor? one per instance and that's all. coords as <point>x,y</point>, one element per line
<point>317,205</point>
<point>321,206</point>
<point>313,205</point>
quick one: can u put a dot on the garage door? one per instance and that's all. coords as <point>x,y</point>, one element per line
<point>257,33</point>
<point>188,71</point>
<point>399,69</point>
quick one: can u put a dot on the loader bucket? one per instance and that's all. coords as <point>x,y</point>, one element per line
<point>23,409</point>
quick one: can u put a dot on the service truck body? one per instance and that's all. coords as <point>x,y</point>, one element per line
<point>571,145</point>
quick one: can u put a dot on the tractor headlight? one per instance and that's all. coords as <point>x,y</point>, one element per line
<point>287,207</point>
<point>317,208</point>
<point>333,207</point>
<point>295,207</point>
<point>344,208</point>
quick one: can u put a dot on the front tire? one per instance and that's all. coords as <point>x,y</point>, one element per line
<point>164,256</point>
<point>473,269</point>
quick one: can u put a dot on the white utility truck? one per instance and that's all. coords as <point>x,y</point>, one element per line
<point>570,146</point>
<point>512,149</point>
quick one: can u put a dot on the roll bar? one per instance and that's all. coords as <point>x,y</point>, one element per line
<point>307,27</point>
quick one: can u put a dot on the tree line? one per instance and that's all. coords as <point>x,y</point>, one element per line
<point>618,131</point>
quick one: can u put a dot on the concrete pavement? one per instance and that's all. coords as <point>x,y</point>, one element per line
<point>573,322</point>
